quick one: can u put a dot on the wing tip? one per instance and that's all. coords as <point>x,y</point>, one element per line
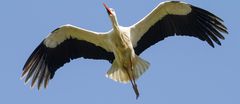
<point>44,82</point>
<point>36,68</point>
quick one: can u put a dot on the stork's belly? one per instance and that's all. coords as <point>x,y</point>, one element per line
<point>123,48</point>
<point>124,55</point>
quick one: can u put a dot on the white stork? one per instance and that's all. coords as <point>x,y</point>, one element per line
<point>121,46</point>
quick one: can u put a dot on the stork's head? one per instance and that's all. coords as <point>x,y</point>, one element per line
<point>112,15</point>
<point>110,11</point>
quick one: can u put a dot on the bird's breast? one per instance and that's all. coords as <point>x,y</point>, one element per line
<point>121,40</point>
<point>123,48</point>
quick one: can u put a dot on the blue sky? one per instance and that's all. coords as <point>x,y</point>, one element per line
<point>183,70</point>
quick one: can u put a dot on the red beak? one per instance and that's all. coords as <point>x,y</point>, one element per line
<point>107,8</point>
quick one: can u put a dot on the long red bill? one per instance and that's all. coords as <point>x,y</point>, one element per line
<point>107,8</point>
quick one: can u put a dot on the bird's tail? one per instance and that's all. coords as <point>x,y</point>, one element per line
<point>117,73</point>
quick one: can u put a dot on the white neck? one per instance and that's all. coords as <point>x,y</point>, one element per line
<point>114,22</point>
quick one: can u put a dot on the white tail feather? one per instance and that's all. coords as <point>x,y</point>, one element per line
<point>117,73</point>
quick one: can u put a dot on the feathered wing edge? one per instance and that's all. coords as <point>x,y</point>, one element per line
<point>63,45</point>
<point>198,23</point>
<point>44,62</point>
<point>37,68</point>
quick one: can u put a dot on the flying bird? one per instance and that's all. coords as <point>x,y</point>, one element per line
<point>121,46</point>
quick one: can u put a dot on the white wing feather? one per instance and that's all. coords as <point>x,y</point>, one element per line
<point>163,9</point>
<point>69,31</point>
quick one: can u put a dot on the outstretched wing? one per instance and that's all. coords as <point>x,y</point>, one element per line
<point>176,18</point>
<point>62,45</point>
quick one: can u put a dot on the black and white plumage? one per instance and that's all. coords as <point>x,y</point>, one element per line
<point>121,45</point>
